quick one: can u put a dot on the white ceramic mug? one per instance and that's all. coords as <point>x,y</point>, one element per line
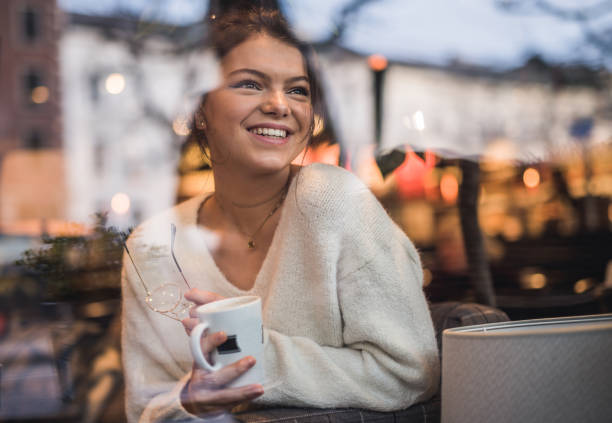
<point>240,319</point>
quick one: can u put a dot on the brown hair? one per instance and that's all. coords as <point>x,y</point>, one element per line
<point>236,26</point>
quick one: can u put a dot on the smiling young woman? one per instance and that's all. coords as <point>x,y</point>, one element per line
<point>346,323</point>
<point>255,124</point>
<point>259,119</point>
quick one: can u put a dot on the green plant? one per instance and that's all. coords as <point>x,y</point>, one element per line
<point>69,267</point>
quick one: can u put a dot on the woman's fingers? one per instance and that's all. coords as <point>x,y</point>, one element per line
<point>189,323</point>
<point>227,374</point>
<point>200,297</point>
<point>229,396</point>
<point>212,341</point>
<point>203,400</point>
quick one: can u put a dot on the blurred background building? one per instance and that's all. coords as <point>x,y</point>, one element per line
<point>30,115</point>
<point>30,106</point>
<point>104,100</point>
<point>96,108</point>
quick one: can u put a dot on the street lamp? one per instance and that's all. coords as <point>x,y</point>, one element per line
<point>378,64</point>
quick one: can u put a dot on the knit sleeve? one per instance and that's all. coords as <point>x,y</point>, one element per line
<point>389,358</point>
<point>153,382</point>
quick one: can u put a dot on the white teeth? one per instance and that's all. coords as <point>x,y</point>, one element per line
<point>271,132</point>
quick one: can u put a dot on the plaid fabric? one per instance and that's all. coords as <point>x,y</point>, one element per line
<point>419,413</point>
<point>452,314</point>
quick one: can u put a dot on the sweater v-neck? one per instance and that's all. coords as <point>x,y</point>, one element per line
<point>271,250</point>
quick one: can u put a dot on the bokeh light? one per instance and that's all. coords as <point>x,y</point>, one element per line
<point>418,120</point>
<point>180,126</point>
<point>531,177</point>
<point>40,94</point>
<point>427,277</point>
<point>120,203</point>
<point>377,62</point>
<point>319,125</point>
<point>449,188</point>
<point>532,280</point>
<point>513,228</point>
<point>583,285</point>
<point>115,83</point>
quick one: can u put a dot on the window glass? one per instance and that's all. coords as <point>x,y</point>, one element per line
<point>483,129</point>
<point>34,140</point>
<point>31,24</point>
<point>34,90</point>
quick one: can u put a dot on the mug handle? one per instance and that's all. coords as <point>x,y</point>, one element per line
<point>196,348</point>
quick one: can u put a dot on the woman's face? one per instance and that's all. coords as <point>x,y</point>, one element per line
<point>259,119</point>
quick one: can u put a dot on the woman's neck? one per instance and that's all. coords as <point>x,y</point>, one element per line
<point>246,190</point>
<point>247,199</point>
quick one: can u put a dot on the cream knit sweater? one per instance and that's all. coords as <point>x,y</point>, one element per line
<point>346,321</point>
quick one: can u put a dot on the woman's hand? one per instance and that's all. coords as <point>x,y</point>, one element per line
<point>200,297</point>
<point>205,393</point>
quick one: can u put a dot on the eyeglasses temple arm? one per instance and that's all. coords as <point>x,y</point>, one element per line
<point>173,234</point>
<point>136,268</point>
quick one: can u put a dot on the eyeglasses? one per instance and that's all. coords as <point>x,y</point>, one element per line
<point>166,299</point>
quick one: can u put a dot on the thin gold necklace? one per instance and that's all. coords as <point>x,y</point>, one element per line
<point>251,237</point>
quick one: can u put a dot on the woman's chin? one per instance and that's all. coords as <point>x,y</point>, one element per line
<point>271,164</point>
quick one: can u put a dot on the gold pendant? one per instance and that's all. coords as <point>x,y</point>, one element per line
<point>251,244</point>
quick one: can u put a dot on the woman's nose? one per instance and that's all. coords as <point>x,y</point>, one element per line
<point>276,104</point>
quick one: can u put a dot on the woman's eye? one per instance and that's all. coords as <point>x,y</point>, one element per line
<point>248,84</point>
<point>299,91</point>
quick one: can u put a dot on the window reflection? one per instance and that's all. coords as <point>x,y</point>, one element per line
<point>93,125</point>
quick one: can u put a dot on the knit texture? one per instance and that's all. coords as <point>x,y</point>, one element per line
<point>346,321</point>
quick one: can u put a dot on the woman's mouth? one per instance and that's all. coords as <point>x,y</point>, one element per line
<point>270,135</point>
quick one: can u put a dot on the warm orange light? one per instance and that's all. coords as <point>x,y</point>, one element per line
<point>120,203</point>
<point>430,184</point>
<point>319,125</point>
<point>377,62</point>
<point>529,280</point>
<point>583,285</point>
<point>513,228</point>
<point>449,188</point>
<point>323,153</point>
<point>411,174</point>
<point>531,177</point>
<point>40,94</point>
<point>538,281</point>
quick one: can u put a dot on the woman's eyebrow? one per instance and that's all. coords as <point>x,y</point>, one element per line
<point>266,77</point>
<point>298,78</point>
<point>251,71</point>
